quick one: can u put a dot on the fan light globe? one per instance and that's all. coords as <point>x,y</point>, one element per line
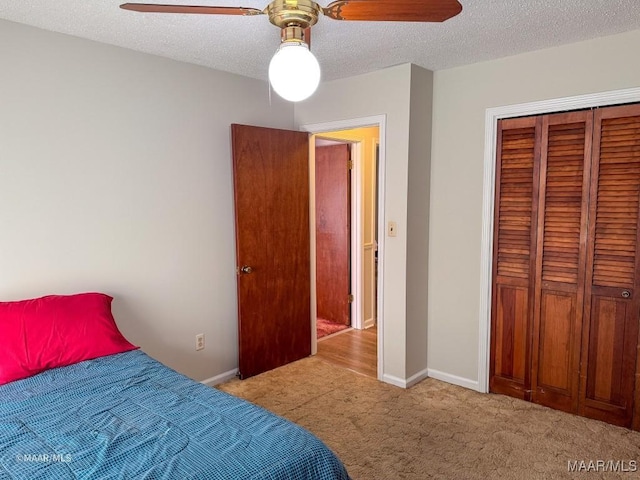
<point>294,72</point>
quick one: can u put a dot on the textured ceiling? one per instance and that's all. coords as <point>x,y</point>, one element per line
<point>486,29</point>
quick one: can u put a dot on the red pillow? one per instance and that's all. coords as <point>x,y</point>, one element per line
<point>55,331</point>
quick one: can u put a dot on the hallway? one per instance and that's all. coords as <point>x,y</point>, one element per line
<point>353,349</point>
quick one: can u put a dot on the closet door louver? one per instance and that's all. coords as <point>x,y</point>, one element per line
<point>514,246</point>
<point>560,258</point>
<point>612,300</point>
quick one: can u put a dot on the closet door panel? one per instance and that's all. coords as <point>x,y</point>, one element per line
<point>560,258</point>
<point>511,332</point>
<point>513,256</point>
<point>605,372</point>
<point>557,312</point>
<point>610,339</point>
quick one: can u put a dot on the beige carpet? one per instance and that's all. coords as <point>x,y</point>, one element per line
<point>436,430</point>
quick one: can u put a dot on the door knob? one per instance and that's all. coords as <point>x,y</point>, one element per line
<point>246,269</point>
<point>626,294</point>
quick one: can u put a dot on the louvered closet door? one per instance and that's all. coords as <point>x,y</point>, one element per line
<point>612,301</point>
<point>513,264</point>
<point>560,258</point>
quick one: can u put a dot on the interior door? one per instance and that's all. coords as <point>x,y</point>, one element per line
<point>612,302</point>
<point>271,187</point>
<point>333,233</point>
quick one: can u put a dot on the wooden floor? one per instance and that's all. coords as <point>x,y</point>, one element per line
<point>356,350</point>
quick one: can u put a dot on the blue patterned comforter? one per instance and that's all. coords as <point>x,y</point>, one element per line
<point>127,416</point>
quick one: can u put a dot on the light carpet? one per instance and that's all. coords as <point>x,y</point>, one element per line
<point>437,431</point>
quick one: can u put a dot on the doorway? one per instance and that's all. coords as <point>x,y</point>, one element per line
<point>587,101</point>
<point>333,236</point>
<point>569,283</point>
<point>252,143</point>
<point>358,345</point>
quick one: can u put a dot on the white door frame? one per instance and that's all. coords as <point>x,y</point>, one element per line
<point>319,128</point>
<point>630,95</point>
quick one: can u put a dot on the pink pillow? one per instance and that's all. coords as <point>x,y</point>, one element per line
<point>55,331</point>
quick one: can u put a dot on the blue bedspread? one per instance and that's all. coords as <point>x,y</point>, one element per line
<point>127,416</point>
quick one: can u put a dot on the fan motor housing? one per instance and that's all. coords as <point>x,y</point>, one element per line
<point>300,13</point>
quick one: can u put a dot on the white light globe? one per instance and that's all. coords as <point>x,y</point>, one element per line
<point>294,72</point>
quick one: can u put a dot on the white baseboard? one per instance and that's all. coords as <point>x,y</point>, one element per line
<point>370,322</point>
<point>406,383</point>
<point>418,377</point>
<point>223,377</point>
<point>454,379</point>
<point>392,380</point>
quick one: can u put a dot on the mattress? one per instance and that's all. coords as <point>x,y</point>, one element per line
<point>127,416</point>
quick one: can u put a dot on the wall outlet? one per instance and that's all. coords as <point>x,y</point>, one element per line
<point>200,341</point>
<point>392,229</point>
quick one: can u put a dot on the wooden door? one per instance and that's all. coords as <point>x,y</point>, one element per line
<point>566,295</point>
<point>612,301</point>
<point>271,183</point>
<point>565,162</point>
<point>333,233</point>
<point>513,256</point>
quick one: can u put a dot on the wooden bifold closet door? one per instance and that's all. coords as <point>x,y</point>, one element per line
<point>565,306</point>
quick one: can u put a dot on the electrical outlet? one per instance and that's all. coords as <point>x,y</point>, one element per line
<point>392,229</point>
<point>200,341</point>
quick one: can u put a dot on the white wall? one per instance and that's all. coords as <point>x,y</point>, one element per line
<point>115,176</point>
<point>385,92</point>
<point>461,97</point>
<point>418,219</point>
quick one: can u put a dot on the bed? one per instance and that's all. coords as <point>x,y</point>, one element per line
<point>127,416</point>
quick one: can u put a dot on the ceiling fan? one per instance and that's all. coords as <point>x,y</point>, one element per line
<point>294,72</point>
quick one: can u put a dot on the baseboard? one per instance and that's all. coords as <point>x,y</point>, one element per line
<point>454,379</point>
<point>406,383</point>
<point>223,377</point>
<point>418,377</point>
<point>392,380</point>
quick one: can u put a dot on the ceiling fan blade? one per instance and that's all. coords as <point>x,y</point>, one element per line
<point>393,10</point>
<point>152,8</point>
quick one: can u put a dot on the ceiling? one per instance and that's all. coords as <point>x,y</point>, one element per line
<point>486,29</point>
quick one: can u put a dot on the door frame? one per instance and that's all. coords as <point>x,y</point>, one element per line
<point>357,234</point>
<point>492,115</point>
